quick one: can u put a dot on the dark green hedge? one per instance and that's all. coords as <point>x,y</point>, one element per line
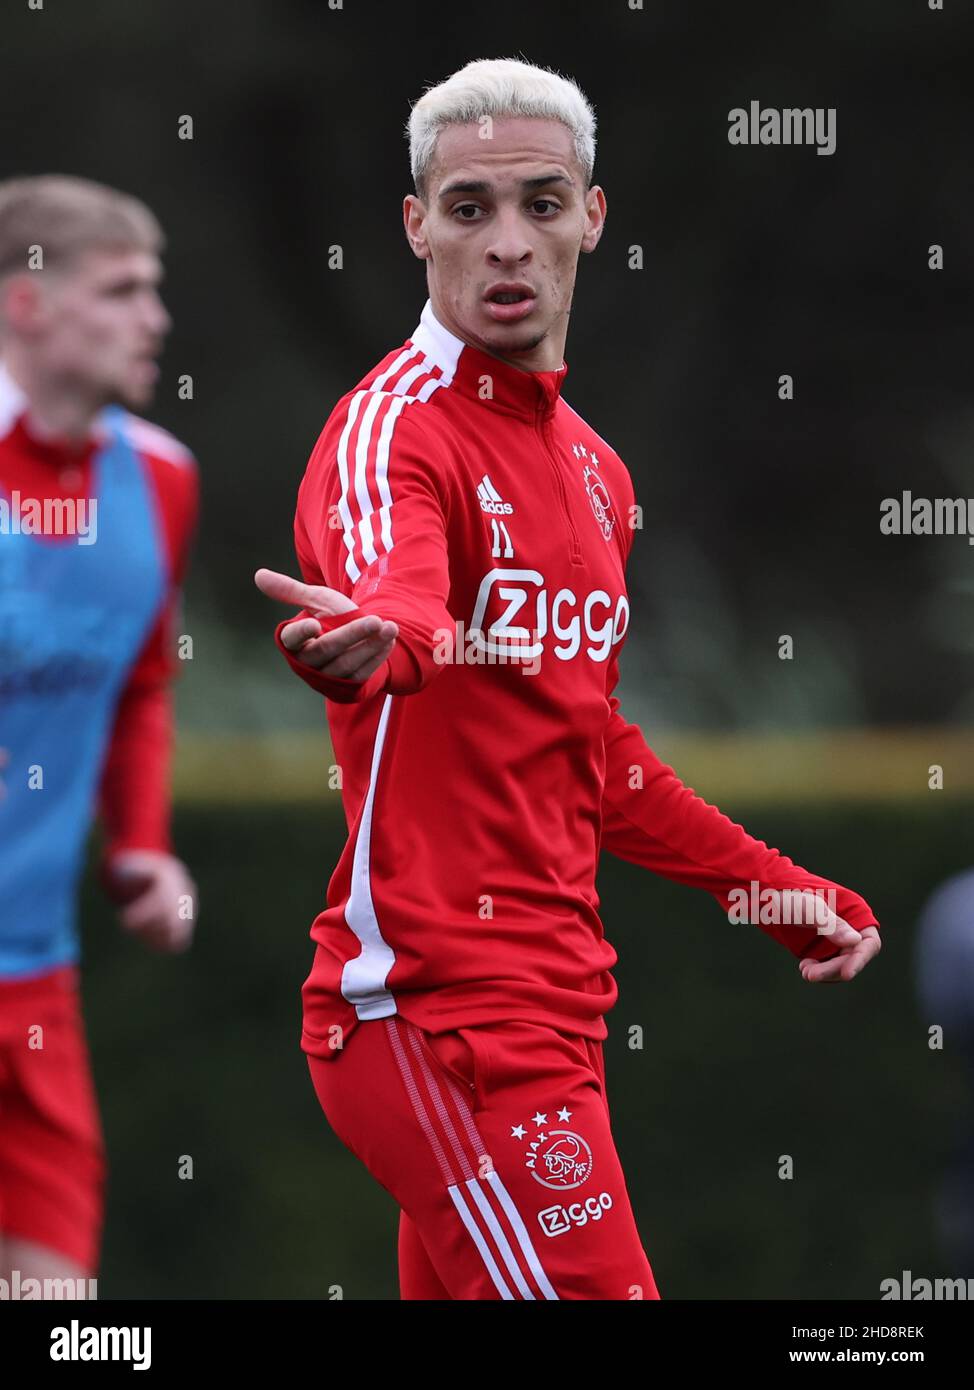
<point>742,1062</point>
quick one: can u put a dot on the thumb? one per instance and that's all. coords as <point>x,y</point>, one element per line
<point>806,907</point>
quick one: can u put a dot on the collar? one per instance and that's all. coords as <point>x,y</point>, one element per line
<point>463,366</point>
<point>15,412</point>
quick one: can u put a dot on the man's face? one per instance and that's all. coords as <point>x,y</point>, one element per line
<point>509,210</point>
<point>99,326</point>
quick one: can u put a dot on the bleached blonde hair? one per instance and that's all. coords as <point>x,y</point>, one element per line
<point>498,87</point>
<point>66,216</point>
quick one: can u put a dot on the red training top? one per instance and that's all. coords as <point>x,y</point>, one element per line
<point>486,762</point>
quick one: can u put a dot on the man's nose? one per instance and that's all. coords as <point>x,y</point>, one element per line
<point>509,243</point>
<point>157,317</point>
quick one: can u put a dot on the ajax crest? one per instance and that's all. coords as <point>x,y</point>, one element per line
<point>556,1157</point>
<point>560,1158</point>
<point>598,493</point>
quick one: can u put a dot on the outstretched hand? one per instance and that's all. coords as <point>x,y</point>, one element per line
<point>351,652</point>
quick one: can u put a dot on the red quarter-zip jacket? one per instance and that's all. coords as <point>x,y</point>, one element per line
<point>486,763</point>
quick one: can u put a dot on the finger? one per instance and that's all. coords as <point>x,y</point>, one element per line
<point>840,969</point>
<point>368,634</point>
<point>864,953</point>
<point>297,633</point>
<point>316,597</point>
<point>141,924</point>
<point>360,661</point>
<point>803,906</point>
<point>145,911</point>
<point>822,972</point>
<point>840,933</point>
<point>826,922</point>
<point>363,672</point>
<point>284,588</point>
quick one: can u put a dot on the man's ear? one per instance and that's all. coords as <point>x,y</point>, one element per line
<point>595,206</point>
<point>414,220</point>
<point>22,302</point>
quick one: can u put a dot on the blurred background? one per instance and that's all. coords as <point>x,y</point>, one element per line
<point>761,519</point>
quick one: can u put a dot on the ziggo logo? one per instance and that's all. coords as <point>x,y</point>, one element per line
<point>555,1221</point>
<point>569,617</point>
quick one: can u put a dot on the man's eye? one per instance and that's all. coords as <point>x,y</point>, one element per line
<point>545,202</point>
<point>466,207</point>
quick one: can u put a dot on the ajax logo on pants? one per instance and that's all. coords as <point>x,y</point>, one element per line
<point>556,1157</point>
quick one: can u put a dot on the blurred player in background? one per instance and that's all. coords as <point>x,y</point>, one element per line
<point>97,508</point>
<point>455,1012</point>
<point>944,953</point>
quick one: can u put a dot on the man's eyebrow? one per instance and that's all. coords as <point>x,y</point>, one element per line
<point>482,186</point>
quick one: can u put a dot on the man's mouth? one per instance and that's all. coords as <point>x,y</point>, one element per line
<point>146,366</point>
<point>509,302</point>
<point>509,294</point>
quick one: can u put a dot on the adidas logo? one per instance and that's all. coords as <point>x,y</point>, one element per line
<point>490,499</point>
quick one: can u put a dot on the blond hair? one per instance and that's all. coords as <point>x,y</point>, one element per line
<point>498,87</point>
<point>66,216</point>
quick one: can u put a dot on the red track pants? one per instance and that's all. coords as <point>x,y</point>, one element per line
<point>495,1142</point>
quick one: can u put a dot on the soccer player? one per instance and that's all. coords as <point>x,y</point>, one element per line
<point>96,511</point>
<point>463,535</point>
